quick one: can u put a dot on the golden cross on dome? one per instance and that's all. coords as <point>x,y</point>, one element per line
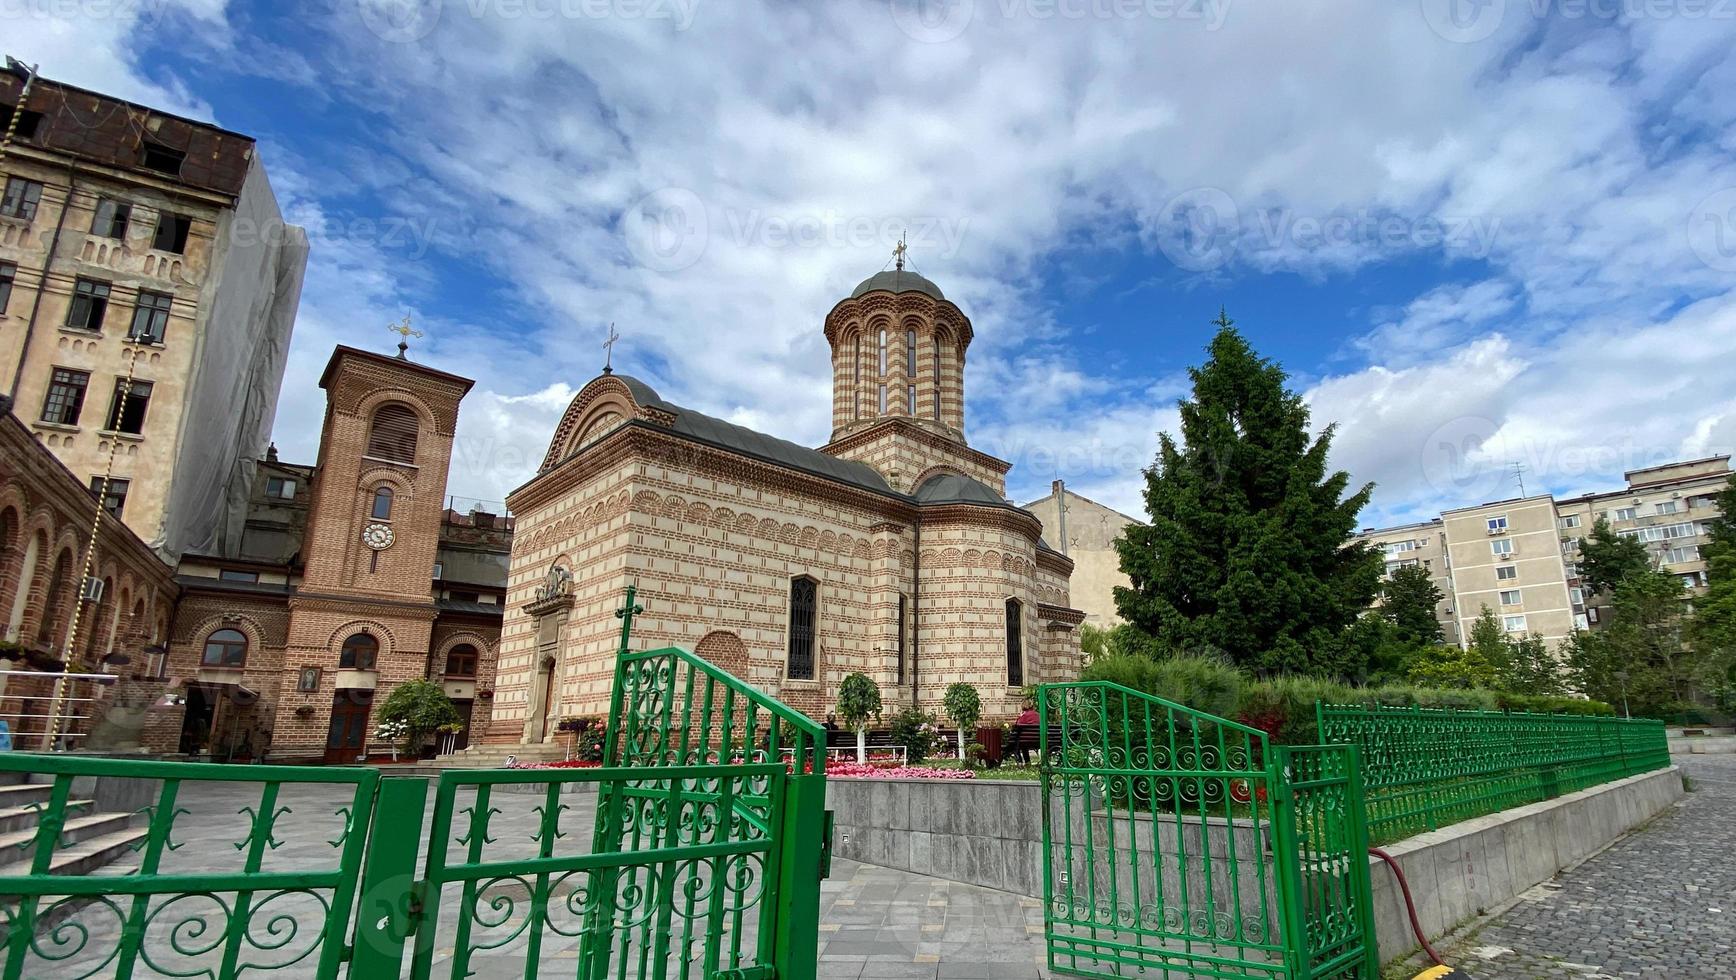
<point>609,350</point>
<point>405,332</point>
<point>899,250</point>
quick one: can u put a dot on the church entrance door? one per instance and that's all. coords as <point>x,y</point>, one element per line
<point>348,736</point>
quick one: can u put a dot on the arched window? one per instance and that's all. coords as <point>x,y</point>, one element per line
<point>1015,644</point>
<point>882,352</point>
<point>856,385</point>
<point>910,372</point>
<point>359,652</point>
<point>225,648</point>
<point>393,433</point>
<point>937,379</point>
<point>804,606</point>
<point>382,509</point>
<point>461,661</point>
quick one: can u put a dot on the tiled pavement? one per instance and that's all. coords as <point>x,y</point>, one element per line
<point>880,923</point>
<point>1660,903</point>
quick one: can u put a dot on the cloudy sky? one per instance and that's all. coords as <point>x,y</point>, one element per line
<point>1475,232</point>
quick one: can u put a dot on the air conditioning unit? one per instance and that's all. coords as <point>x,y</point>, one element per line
<point>1496,530</point>
<point>92,590</point>
<point>1507,557</point>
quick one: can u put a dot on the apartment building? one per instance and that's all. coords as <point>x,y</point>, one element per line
<point>1520,557</point>
<point>1423,544</point>
<point>1086,531</point>
<point>148,289</point>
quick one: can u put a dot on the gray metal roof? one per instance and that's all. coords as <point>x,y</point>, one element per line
<point>898,281</point>
<point>728,435</point>
<point>951,488</point>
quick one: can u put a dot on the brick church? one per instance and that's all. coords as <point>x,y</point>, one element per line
<point>891,550</point>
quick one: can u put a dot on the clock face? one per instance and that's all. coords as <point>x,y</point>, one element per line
<point>377,536</point>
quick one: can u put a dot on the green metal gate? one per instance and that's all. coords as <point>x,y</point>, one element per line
<point>1178,844</point>
<point>695,851</point>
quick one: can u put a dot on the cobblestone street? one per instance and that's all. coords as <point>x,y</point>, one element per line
<point>1661,903</point>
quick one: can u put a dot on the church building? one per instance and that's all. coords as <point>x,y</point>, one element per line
<point>892,550</point>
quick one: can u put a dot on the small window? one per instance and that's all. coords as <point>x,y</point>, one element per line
<point>937,379</point>
<point>1666,507</point>
<point>882,399</point>
<point>1577,595</point>
<point>1676,556</point>
<point>162,159</point>
<point>461,661</point>
<point>910,400</point>
<point>90,299</point>
<point>282,488</point>
<point>392,436</point>
<point>1015,644</point>
<point>1497,524</point>
<point>439,569</point>
<point>1507,572</point>
<point>1509,597</point>
<point>65,396</point>
<point>110,219</point>
<point>1504,546</point>
<point>172,231</point>
<point>237,575</point>
<point>382,509</point>
<point>359,652</point>
<point>903,603</point>
<point>225,648</point>
<point>882,353</point>
<point>114,500</point>
<point>804,607</point>
<point>127,410</point>
<point>1571,520</point>
<point>151,317</point>
<point>1513,624</point>
<point>1591,614</point>
<point>464,596</point>
<point>29,123</point>
<point>8,273</point>
<point>1625,513</point>
<point>1581,621</point>
<point>21,198</point>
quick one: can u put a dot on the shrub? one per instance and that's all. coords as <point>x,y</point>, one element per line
<point>421,708</point>
<point>1203,683</point>
<point>915,729</point>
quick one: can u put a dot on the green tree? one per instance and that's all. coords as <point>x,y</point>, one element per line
<point>858,703</point>
<point>1530,669</point>
<point>1638,658</point>
<point>1713,630</point>
<point>1606,558</point>
<point>965,708</point>
<point>1408,601</point>
<point>422,708</point>
<point>1478,664</point>
<point>1245,551</point>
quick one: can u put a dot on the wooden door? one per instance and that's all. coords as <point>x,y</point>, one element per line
<point>348,736</point>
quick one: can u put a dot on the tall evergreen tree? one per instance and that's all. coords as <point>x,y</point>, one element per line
<point>1408,601</point>
<point>1713,629</point>
<point>1247,546</point>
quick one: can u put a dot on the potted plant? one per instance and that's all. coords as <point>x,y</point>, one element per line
<point>965,708</point>
<point>858,702</point>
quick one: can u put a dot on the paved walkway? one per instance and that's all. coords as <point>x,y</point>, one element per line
<point>1659,904</point>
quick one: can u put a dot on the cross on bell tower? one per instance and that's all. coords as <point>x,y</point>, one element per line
<point>898,252</point>
<point>405,332</point>
<point>609,350</point>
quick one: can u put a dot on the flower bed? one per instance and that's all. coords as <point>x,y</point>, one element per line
<point>567,764</point>
<point>855,770</point>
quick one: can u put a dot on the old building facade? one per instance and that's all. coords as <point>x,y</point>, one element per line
<point>891,550</point>
<point>148,289</point>
<point>1086,532</point>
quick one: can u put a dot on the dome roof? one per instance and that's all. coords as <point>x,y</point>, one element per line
<point>898,281</point>
<point>951,488</point>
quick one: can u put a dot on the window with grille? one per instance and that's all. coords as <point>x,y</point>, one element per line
<point>804,605</point>
<point>461,661</point>
<point>8,272</point>
<point>114,499</point>
<point>65,396</point>
<point>110,219</point>
<point>1015,644</point>
<point>151,317</point>
<point>127,410</point>
<point>21,198</point>
<point>90,299</point>
<point>393,434</point>
<point>225,648</point>
<point>359,652</point>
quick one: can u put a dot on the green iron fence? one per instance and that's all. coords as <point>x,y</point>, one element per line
<point>696,851</point>
<point>1178,844</point>
<point>1424,768</point>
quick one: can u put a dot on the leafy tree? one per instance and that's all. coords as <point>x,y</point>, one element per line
<point>1478,664</point>
<point>1606,558</point>
<point>858,703</point>
<point>1713,630</point>
<point>1530,669</point>
<point>1638,658</point>
<point>1093,642</point>
<point>1245,551</point>
<point>965,708</point>
<point>1408,601</point>
<point>421,708</point>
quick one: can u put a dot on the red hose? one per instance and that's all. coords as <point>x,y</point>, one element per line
<point>1409,906</point>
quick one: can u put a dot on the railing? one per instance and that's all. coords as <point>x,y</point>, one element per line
<point>1425,768</point>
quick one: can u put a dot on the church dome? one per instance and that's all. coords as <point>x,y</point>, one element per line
<point>898,281</point>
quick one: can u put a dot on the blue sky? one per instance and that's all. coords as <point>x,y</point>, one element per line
<point>1474,231</point>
